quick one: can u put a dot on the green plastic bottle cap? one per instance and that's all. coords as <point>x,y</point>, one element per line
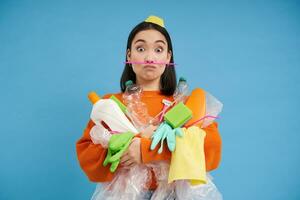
<point>129,82</point>
<point>182,79</point>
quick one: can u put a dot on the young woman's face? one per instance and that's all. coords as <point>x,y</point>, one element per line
<point>149,46</point>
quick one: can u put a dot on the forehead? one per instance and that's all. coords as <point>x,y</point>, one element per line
<point>149,36</point>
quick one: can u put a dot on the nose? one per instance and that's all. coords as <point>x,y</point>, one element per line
<point>149,58</point>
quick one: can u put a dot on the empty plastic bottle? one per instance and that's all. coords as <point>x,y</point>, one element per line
<point>182,91</point>
<point>136,110</point>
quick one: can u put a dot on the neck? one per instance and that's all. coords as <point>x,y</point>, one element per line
<point>152,85</point>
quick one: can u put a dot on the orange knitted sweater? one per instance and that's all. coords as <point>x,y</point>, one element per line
<point>91,156</point>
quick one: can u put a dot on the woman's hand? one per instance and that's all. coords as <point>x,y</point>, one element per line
<point>148,132</point>
<point>133,155</point>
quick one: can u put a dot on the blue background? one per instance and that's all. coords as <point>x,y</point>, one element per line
<point>52,53</point>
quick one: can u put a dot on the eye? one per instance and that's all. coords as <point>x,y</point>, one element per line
<point>140,49</point>
<point>159,50</point>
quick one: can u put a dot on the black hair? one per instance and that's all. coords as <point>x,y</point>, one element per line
<point>168,78</point>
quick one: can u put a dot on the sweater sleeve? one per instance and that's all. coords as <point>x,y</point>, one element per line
<point>212,146</point>
<point>212,149</point>
<point>91,157</point>
<point>153,155</point>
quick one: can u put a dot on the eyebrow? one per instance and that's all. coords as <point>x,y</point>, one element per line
<point>140,40</point>
<point>157,41</point>
<point>160,41</point>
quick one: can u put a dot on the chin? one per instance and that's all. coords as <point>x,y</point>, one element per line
<point>150,78</point>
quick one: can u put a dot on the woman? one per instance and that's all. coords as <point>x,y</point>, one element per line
<point>149,59</point>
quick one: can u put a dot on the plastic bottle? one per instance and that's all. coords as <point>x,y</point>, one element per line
<point>182,91</point>
<point>108,111</point>
<point>136,110</point>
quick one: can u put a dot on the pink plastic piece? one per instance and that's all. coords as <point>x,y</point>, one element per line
<point>199,120</point>
<point>151,62</point>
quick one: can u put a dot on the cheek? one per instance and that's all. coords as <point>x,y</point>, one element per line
<point>163,56</point>
<point>162,69</point>
<point>136,57</point>
<point>137,69</point>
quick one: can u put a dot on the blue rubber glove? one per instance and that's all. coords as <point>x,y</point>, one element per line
<point>165,131</point>
<point>171,138</point>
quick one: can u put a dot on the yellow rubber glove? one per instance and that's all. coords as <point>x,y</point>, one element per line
<point>188,159</point>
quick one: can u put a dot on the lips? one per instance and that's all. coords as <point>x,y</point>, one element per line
<point>150,67</point>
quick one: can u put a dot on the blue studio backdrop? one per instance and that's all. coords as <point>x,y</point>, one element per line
<point>52,53</point>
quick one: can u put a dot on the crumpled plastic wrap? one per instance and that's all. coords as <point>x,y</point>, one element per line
<point>128,184</point>
<point>100,135</point>
<point>206,191</point>
<point>133,184</point>
<point>213,108</point>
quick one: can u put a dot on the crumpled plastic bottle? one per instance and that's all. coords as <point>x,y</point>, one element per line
<point>182,91</point>
<point>136,110</point>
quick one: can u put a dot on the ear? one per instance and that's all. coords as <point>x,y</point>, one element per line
<point>128,54</point>
<point>169,56</point>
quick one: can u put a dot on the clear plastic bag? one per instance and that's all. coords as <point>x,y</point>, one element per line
<point>182,189</point>
<point>206,191</point>
<point>128,184</point>
<point>100,135</point>
<point>163,190</point>
<point>133,184</point>
<point>213,108</point>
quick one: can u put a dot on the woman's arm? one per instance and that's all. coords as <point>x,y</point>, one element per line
<point>212,146</point>
<point>153,155</point>
<point>91,157</point>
